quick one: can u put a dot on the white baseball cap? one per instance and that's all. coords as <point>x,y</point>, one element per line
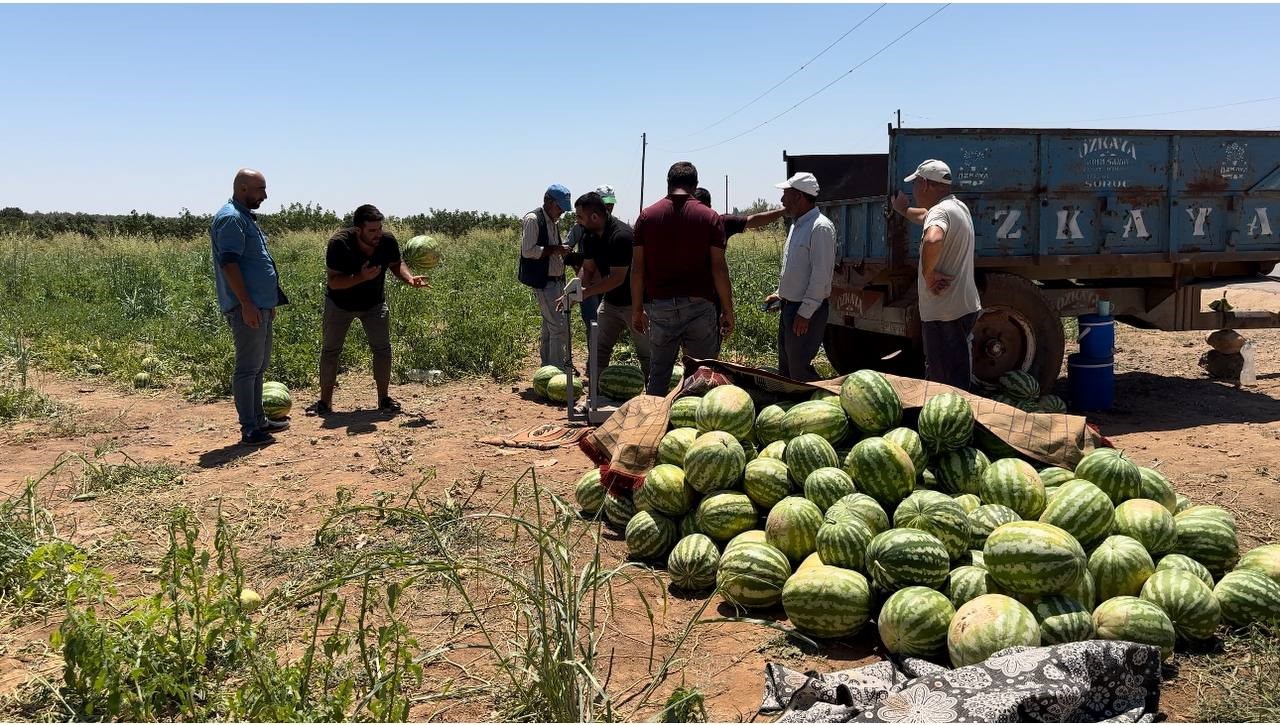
<point>803,181</point>
<point>606,193</point>
<point>931,170</point>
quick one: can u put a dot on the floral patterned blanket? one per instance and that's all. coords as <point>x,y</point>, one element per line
<point>1095,681</point>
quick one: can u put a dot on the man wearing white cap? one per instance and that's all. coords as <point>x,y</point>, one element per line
<point>949,303</point>
<point>808,261</point>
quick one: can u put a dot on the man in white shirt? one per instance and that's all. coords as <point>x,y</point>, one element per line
<point>542,269</point>
<point>949,304</point>
<point>808,261</point>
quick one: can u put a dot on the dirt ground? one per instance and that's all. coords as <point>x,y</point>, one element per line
<point>1217,443</point>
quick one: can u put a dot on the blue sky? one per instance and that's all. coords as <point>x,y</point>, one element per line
<point>111,108</point>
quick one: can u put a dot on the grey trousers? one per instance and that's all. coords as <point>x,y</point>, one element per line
<point>948,351</point>
<point>253,355</point>
<point>377,327</point>
<point>553,343</point>
<point>688,322</point>
<point>796,354</point>
<point>611,322</point>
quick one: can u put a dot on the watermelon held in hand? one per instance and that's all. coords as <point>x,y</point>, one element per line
<point>421,253</point>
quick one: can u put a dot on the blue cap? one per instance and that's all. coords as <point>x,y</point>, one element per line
<point>560,193</point>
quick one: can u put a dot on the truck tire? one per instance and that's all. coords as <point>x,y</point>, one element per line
<point>1017,330</point>
<point>849,349</point>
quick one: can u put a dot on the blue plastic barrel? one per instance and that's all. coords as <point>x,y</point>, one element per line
<point>1097,336</point>
<point>1092,381</point>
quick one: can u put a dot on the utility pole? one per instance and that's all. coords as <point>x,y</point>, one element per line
<point>644,143</point>
<point>726,193</point>
<point>899,118</point>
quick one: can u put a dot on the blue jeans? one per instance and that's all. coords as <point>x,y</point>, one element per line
<point>253,354</point>
<point>796,354</point>
<point>689,322</point>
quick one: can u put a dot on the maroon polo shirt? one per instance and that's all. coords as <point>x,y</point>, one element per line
<point>677,234</point>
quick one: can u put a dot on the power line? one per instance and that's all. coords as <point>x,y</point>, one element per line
<point>839,78</point>
<point>793,73</point>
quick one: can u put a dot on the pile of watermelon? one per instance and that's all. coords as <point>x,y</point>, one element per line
<point>619,383</point>
<point>834,510</point>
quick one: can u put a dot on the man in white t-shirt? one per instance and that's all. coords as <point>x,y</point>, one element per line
<point>949,303</point>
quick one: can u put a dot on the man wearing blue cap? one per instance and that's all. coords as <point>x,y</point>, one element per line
<point>542,269</point>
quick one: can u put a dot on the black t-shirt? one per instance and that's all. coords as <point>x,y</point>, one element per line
<point>733,224</point>
<point>345,255</point>
<point>611,248</point>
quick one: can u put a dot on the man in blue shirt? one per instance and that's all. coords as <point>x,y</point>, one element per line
<point>248,294</point>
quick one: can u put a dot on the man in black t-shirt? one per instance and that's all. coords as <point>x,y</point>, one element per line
<point>357,261</point>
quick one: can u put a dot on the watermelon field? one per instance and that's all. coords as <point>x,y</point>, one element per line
<point>398,568</point>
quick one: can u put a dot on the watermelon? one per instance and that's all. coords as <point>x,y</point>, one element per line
<point>677,375</point>
<point>1247,596</point>
<point>809,562</point>
<point>1120,566</point>
<point>1062,620</point>
<point>1187,601</point>
<point>1216,513</point>
<point>927,480</point>
<point>152,364</point>
<point>748,449</point>
<point>1033,559</point>
<point>1180,562</point>
<point>620,382</point>
<point>818,417</point>
<point>913,621</point>
<point>961,470</point>
<point>727,408</point>
<point>946,423</point>
<point>1020,385</point>
<point>825,601</point>
<point>689,524</point>
<point>776,449</point>
<point>752,575</point>
<point>725,514</point>
<point>618,510</point>
<point>421,253</point>
<point>826,397</point>
<point>589,494</point>
<point>1157,488</point>
<point>714,462</point>
<point>557,388</point>
<point>650,536</point>
<point>684,412</point>
<point>825,486</point>
<point>766,482</point>
<point>987,518</point>
<point>1054,476</point>
<point>1264,559</point>
<point>994,446</point>
<point>693,562</point>
<point>1184,503</point>
<point>966,583</point>
<point>1111,471</point>
<point>1131,619</point>
<point>1208,537</point>
<point>938,514</point>
<point>1082,510</point>
<point>807,453</point>
<point>901,558</point>
<point>675,444</point>
<point>910,441</point>
<point>871,402</point>
<point>142,380</point>
<point>882,469</point>
<point>844,543</point>
<point>1014,483</point>
<point>988,624</point>
<point>769,425</point>
<point>1051,404</point>
<point>1050,492</point>
<point>758,536</point>
<point>276,401</point>
<point>977,559</point>
<point>860,507</point>
<point>968,502</point>
<point>543,376</point>
<point>1149,523</point>
<point>1083,591</point>
<point>664,490</point>
<point>792,527</point>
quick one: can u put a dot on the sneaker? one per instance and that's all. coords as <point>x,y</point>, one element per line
<point>274,426</point>
<point>388,403</point>
<point>320,408</point>
<point>257,438</point>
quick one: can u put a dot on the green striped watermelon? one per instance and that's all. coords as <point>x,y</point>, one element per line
<point>725,514</point>
<point>844,543</point>
<point>1051,404</point>
<point>809,562</point>
<point>1014,483</point>
<point>871,402</point>
<point>988,624</point>
<point>1157,488</point>
<point>276,401</point>
<point>675,444</point>
<point>1019,384</point>
<point>1054,476</point>
<point>938,514</point>
<point>1247,596</point>
<point>621,382</point>
<point>677,377</point>
<point>827,485</point>
<point>748,449</point>
<point>693,562</point>
<point>752,575</point>
<point>977,559</point>
<point>766,482</point>
<point>589,494</point>
<point>807,453</point>
<point>1264,559</point>
<point>664,490</point>
<point>881,469</point>
<point>1180,562</point>
<point>1208,537</point>
<point>776,449</point>
<point>1187,601</point>
<point>927,480</point>
<point>543,376</point>
<point>769,424</point>
<point>966,583</point>
<point>714,462</point>
<point>818,417</point>
<point>689,524</point>
<point>1033,559</point>
<point>1120,566</point>
<point>684,412</point>
<point>913,621</point>
<point>1212,512</point>
<point>1184,503</point>
<point>860,507</point>
<point>727,408</point>
<point>1149,523</point>
<point>825,601</point>
<point>618,510</point>
<point>792,527</point>
<point>1111,471</point>
<point>558,388</point>
<point>910,441</point>
<point>1050,492</point>
<point>1131,619</point>
<point>1062,620</point>
<point>987,518</point>
<point>961,470</point>
<point>1083,591</point>
<point>968,502</point>
<point>650,535</point>
<point>946,423</point>
<point>901,558</point>
<point>994,446</point>
<point>1082,510</point>
<point>757,536</point>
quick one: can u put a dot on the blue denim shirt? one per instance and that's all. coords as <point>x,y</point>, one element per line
<point>237,238</point>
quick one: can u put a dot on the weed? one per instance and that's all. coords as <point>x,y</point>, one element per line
<point>1239,684</point>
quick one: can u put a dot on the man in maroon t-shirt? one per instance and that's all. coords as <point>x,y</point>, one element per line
<point>679,273</point>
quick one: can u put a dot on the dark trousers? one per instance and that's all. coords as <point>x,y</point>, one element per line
<point>253,355</point>
<point>948,351</point>
<point>377,327</point>
<point>796,354</point>
<point>589,308</point>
